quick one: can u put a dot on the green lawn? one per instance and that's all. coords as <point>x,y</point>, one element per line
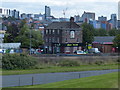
<point>60,69</point>
<point>102,81</point>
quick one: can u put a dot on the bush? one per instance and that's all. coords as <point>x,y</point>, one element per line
<point>118,60</point>
<point>17,61</point>
<point>99,62</point>
<point>69,63</point>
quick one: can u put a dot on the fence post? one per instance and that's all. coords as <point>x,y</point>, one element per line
<point>32,80</point>
<point>79,75</point>
<point>19,81</point>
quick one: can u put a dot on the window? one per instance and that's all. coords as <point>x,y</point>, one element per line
<point>77,40</point>
<point>58,40</point>
<point>46,31</point>
<point>50,39</point>
<point>53,31</point>
<point>66,31</point>
<point>46,40</point>
<point>58,31</point>
<point>49,31</point>
<point>66,40</point>
<point>72,34</point>
<point>53,39</point>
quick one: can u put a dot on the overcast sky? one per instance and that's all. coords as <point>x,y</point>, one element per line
<point>74,7</point>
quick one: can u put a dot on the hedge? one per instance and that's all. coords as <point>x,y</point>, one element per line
<point>17,61</point>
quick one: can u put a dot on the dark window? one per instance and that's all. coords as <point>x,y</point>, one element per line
<point>66,40</point>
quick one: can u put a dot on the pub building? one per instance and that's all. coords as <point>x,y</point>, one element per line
<point>63,37</point>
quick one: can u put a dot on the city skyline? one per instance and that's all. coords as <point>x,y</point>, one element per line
<point>73,8</point>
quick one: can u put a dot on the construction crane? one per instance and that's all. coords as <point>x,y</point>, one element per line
<point>64,12</point>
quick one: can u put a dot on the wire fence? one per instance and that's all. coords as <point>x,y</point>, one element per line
<point>34,79</point>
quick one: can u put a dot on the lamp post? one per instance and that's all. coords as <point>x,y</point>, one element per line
<point>30,21</point>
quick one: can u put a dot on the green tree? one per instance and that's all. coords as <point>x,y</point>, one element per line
<point>24,37</point>
<point>88,33</point>
<point>11,33</point>
<point>112,32</point>
<point>100,32</point>
<point>117,42</point>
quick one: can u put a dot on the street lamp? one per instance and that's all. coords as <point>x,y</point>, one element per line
<point>30,22</point>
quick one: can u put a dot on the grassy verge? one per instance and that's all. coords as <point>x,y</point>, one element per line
<point>102,81</point>
<point>60,69</point>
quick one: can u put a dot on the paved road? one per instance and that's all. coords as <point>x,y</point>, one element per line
<point>30,79</point>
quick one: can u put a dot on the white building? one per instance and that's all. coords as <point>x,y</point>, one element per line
<point>119,10</point>
<point>86,16</point>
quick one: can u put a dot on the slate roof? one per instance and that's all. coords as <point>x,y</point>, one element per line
<point>59,25</point>
<point>103,39</point>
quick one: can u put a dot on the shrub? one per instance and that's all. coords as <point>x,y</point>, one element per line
<point>99,62</point>
<point>17,61</point>
<point>68,63</point>
<point>118,60</point>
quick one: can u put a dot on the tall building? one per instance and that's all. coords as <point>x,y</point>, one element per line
<point>118,24</point>
<point>23,16</point>
<point>102,18</point>
<point>47,12</point>
<point>88,16</point>
<point>114,20</point>
<point>119,10</point>
<point>77,18</point>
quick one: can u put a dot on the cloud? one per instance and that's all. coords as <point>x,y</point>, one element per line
<point>59,1</point>
<point>57,6</point>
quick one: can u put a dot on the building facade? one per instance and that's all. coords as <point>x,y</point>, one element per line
<point>88,16</point>
<point>104,44</point>
<point>62,37</point>
<point>47,12</point>
<point>102,18</point>
<point>119,10</point>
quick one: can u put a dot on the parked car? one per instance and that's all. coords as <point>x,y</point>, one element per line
<point>12,51</point>
<point>80,52</point>
<point>94,50</point>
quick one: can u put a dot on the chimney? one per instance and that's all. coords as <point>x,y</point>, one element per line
<point>71,19</point>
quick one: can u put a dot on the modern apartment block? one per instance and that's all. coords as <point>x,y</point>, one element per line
<point>63,37</point>
<point>47,12</point>
<point>88,16</point>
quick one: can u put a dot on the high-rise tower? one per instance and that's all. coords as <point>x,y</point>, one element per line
<point>119,10</point>
<point>47,12</point>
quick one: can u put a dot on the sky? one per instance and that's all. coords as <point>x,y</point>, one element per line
<point>74,7</point>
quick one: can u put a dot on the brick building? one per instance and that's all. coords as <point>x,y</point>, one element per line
<point>104,44</point>
<point>62,37</point>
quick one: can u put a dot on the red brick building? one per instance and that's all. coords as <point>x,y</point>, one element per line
<point>62,37</point>
<point>104,44</point>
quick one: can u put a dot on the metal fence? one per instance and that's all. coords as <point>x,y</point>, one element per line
<point>33,79</point>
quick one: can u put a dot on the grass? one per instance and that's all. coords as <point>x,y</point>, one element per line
<point>102,81</point>
<point>54,69</point>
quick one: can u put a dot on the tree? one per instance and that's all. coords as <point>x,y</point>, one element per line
<point>112,32</point>
<point>100,32</point>
<point>24,38</point>
<point>117,42</point>
<point>88,33</point>
<point>11,33</point>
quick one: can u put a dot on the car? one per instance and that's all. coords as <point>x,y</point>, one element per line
<point>80,52</point>
<point>12,51</point>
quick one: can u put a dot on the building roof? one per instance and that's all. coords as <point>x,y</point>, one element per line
<point>104,40</point>
<point>59,25</point>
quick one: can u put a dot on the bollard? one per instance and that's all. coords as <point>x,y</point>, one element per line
<point>32,80</point>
